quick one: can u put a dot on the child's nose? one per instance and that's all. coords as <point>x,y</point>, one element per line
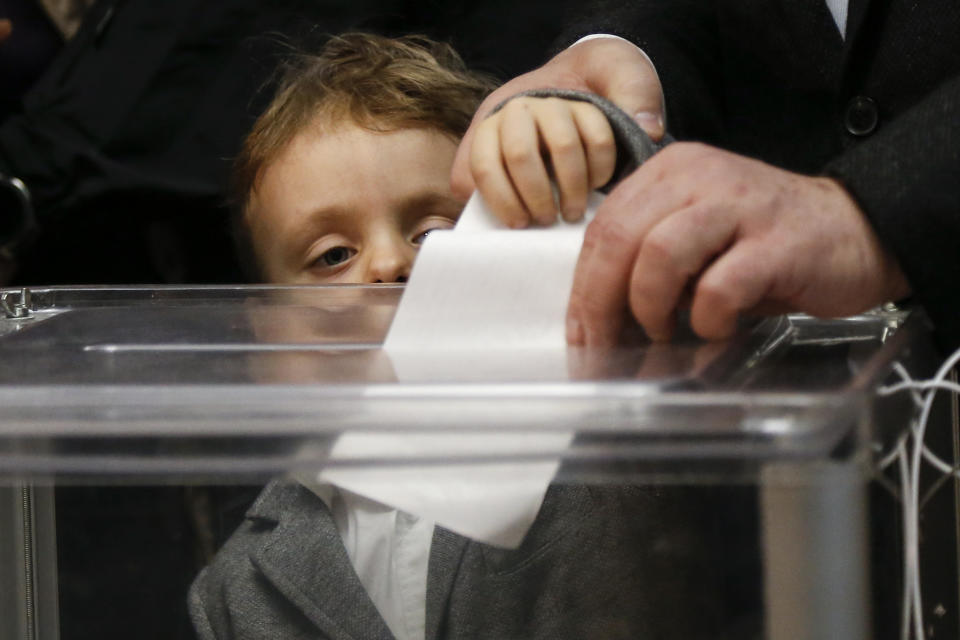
<point>390,264</point>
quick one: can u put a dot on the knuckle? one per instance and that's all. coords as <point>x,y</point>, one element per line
<point>489,125</point>
<point>573,208</point>
<point>668,162</point>
<point>517,153</point>
<point>699,214</point>
<point>658,249</point>
<point>564,145</point>
<point>659,243</point>
<point>590,308</point>
<point>482,172</point>
<point>711,327</point>
<point>605,232</point>
<point>641,301</point>
<point>542,207</point>
<point>719,297</point>
<point>539,200</point>
<point>553,105</point>
<point>516,106</point>
<point>600,144</point>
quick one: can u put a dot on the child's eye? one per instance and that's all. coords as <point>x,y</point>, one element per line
<point>333,257</point>
<point>429,226</point>
<point>419,238</point>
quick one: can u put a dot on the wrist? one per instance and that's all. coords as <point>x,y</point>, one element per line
<point>893,281</point>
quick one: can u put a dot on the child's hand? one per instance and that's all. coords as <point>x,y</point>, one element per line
<point>530,142</point>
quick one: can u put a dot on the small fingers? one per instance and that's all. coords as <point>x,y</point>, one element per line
<point>581,147</point>
<point>598,141</point>
<point>520,152</point>
<point>490,175</point>
<point>562,139</point>
<point>520,145</point>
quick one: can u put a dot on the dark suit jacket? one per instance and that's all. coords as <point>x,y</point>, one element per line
<point>773,79</point>
<point>604,562</point>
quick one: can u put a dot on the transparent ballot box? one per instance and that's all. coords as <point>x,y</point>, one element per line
<point>690,490</point>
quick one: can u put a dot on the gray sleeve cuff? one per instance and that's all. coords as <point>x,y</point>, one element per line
<point>634,146</point>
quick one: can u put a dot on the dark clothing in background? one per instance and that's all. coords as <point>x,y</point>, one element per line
<point>26,53</point>
<point>878,110</point>
<point>125,140</point>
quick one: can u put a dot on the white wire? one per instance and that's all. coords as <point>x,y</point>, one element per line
<point>924,385</point>
<point>914,495</point>
<point>901,457</point>
<point>891,457</point>
<point>910,481</point>
<point>905,376</point>
<point>914,387</point>
<point>939,463</point>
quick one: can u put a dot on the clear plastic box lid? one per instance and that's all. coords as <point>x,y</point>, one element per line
<point>249,381</point>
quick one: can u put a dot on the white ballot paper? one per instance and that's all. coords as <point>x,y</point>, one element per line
<point>488,304</point>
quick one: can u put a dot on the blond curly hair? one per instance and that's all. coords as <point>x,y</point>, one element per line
<point>374,82</point>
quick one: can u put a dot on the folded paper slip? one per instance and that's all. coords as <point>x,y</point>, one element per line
<point>486,304</point>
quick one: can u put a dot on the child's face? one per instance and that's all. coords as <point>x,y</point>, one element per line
<point>351,205</point>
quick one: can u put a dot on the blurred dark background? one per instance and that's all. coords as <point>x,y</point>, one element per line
<point>123,131</point>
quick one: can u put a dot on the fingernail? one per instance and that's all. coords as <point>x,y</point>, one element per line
<point>574,331</point>
<point>650,122</point>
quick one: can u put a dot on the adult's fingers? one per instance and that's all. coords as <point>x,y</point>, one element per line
<point>598,298</point>
<point>672,255</point>
<point>738,281</point>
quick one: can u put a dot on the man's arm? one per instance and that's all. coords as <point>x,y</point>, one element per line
<point>906,178</point>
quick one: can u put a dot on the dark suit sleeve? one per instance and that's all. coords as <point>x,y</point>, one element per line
<point>681,38</point>
<point>906,178</point>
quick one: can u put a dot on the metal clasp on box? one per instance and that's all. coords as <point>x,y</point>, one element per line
<point>16,304</point>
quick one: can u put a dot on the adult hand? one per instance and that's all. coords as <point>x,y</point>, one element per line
<point>6,28</point>
<point>727,235</point>
<point>610,67</point>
